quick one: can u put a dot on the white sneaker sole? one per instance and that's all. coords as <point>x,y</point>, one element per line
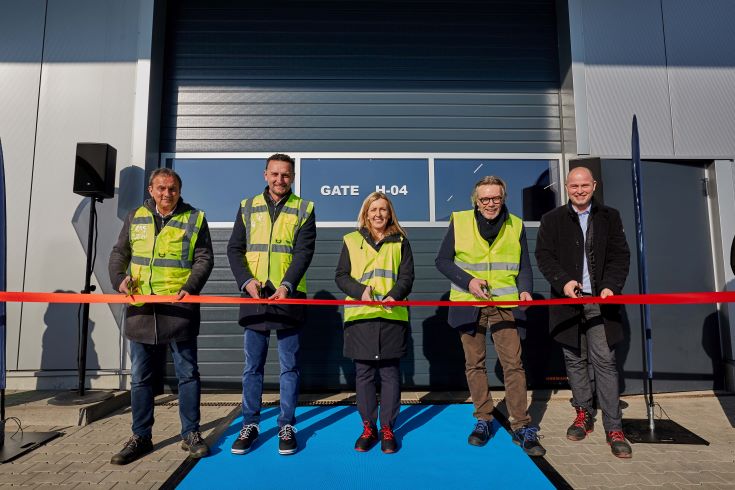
<point>286,452</point>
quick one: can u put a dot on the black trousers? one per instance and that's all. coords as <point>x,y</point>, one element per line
<point>366,386</point>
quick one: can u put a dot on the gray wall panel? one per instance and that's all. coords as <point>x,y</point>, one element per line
<point>700,43</point>
<point>21,45</point>
<point>625,64</point>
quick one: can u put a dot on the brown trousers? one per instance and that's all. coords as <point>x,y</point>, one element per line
<point>508,346</point>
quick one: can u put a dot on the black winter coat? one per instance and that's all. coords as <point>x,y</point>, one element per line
<point>272,317</point>
<point>560,249</point>
<point>161,323</point>
<point>377,338</point>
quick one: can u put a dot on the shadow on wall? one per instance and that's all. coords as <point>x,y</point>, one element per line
<point>59,345</point>
<point>110,216</point>
<point>443,350</point>
<point>321,360</point>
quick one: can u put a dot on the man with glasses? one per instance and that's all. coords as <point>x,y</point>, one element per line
<point>485,256</point>
<point>582,251</point>
<point>271,247</point>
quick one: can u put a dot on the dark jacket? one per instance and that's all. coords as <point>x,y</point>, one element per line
<point>376,338</point>
<point>163,322</point>
<point>560,249</point>
<point>272,317</point>
<point>465,317</point>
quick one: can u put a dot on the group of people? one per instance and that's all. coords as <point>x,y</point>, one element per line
<point>164,248</point>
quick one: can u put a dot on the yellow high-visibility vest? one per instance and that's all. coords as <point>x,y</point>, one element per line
<point>497,264</point>
<point>162,264</point>
<point>376,268</point>
<point>270,245</point>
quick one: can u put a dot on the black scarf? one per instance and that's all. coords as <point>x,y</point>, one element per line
<point>489,228</point>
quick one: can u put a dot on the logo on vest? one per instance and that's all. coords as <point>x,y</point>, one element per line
<point>138,232</point>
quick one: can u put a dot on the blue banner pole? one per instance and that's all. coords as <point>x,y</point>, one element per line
<point>3,283</point>
<point>642,272</point>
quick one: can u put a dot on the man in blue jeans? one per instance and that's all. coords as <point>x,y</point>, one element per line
<point>163,248</point>
<point>271,247</point>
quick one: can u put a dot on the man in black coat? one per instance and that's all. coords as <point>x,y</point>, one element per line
<point>582,251</point>
<point>151,237</point>
<point>268,257</point>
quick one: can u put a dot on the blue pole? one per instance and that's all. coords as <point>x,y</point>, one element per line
<point>3,257</point>
<point>642,272</point>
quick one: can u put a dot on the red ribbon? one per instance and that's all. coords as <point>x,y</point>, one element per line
<point>623,299</point>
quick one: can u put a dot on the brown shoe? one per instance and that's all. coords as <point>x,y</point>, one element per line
<point>582,425</point>
<point>618,445</point>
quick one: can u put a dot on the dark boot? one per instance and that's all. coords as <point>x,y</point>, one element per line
<point>583,424</point>
<point>618,445</point>
<point>133,449</point>
<point>480,434</point>
<point>388,440</point>
<point>196,446</point>
<point>369,437</point>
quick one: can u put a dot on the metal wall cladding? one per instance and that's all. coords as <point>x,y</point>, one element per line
<point>382,76</point>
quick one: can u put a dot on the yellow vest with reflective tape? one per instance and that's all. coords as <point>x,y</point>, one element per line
<point>376,268</point>
<point>497,264</point>
<point>270,245</point>
<point>162,264</point>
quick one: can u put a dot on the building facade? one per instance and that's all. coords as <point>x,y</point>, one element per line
<point>418,99</point>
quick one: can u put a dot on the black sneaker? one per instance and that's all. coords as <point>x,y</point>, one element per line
<point>618,445</point>
<point>527,437</point>
<point>480,434</point>
<point>245,440</point>
<point>196,446</point>
<point>287,440</point>
<point>582,425</point>
<point>388,441</point>
<point>369,437</point>
<point>133,449</point>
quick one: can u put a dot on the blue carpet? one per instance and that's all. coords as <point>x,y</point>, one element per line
<point>433,454</point>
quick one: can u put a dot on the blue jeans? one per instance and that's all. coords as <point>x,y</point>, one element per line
<point>255,345</point>
<point>141,394</point>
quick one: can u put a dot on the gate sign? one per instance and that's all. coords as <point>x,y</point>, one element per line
<point>338,186</point>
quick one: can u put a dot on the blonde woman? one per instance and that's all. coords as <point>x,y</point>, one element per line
<point>376,264</point>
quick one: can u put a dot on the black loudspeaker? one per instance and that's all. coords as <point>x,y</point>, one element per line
<point>94,170</point>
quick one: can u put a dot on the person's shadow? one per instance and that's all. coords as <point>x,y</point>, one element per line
<point>60,341</point>
<point>443,349</point>
<point>321,342</point>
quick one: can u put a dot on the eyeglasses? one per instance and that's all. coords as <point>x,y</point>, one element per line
<point>487,200</point>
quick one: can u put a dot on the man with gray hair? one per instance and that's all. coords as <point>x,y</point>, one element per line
<point>163,248</point>
<point>485,255</point>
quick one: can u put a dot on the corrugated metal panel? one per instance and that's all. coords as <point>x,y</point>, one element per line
<point>435,356</point>
<point>699,36</point>
<point>625,63</point>
<point>429,76</point>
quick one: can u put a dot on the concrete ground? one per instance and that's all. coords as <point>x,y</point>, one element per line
<point>80,457</point>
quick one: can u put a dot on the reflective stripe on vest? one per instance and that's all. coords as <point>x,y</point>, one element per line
<point>269,249</point>
<point>162,264</point>
<point>497,264</point>
<point>378,269</point>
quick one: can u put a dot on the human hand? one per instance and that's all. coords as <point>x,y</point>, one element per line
<point>478,288</point>
<point>387,299</point>
<point>125,286</point>
<point>281,293</point>
<point>367,294</point>
<point>572,289</point>
<point>181,295</point>
<point>253,288</point>
<point>524,296</point>
<point>606,293</point>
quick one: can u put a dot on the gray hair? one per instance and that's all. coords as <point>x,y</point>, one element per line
<point>165,172</point>
<point>487,180</point>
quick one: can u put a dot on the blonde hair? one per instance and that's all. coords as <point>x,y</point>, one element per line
<point>391,228</point>
<point>487,180</point>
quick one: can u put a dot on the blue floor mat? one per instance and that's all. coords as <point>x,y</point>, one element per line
<point>433,454</point>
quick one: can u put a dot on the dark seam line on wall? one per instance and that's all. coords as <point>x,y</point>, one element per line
<point>30,193</point>
<point>668,82</point>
